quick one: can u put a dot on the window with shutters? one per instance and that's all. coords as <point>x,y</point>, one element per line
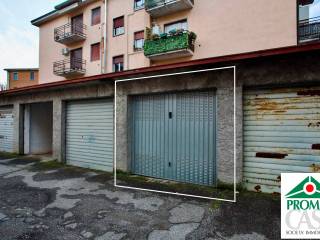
<point>95,52</point>
<point>118,63</point>
<point>138,40</point>
<point>95,16</point>
<point>118,26</point>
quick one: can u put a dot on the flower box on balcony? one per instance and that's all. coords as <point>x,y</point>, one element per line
<point>170,46</point>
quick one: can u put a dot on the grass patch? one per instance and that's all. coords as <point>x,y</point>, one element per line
<point>47,165</point>
<point>175,187</point>
<point>8,155</point>
<point>215,205</point>
<point>101,178</point>
<point>256,195</point>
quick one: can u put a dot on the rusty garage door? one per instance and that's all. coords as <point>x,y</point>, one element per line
<point>6,129</point>
<point>281,134</point>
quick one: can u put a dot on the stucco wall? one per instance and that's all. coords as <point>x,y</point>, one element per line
<point>134,21</point>
<point>230,27</point>
<point>222,81</point>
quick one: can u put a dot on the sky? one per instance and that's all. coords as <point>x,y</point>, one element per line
<point>18,38</point>
<point>315,9</point>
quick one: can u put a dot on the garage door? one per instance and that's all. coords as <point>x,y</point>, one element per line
<point>173,136</point>
<point>281,134</point>
<point>89,134</point>
<point>6,130</point>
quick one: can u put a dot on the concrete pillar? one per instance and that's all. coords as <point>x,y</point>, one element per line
<point>225,133</point>
<point>121,130</point>
<point>58,125</point>
<point>18,122</point>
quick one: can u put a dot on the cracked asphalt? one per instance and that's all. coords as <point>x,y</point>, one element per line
<point>71,204</point>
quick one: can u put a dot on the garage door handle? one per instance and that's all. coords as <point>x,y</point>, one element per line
<point>169,163</point>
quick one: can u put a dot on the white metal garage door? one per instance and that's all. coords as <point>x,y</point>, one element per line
<point>6,130</point>
<point>89,134</point>
<point>281,134</point>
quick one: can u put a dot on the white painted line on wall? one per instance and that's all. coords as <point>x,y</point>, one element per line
<point>234,134</point>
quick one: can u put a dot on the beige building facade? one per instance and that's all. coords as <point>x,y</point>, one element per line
<point>221,28</point>
<point>22,77</point>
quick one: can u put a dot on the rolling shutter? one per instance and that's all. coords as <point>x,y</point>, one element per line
<point>6,130</point>
<point>281,134</point>
<point>89,134</point>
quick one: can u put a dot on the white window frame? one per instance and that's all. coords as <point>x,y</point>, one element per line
<point>183,24</point>
<point>138,7</point>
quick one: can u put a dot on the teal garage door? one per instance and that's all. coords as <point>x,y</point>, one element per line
<point>173,136</point>
<point>89,134</point>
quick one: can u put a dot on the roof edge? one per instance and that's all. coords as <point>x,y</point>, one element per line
<point>20,69</point>
<point>198,62</point>
<point>60,9</point>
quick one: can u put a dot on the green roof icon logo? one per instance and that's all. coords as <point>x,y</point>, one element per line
<point>308,188</point>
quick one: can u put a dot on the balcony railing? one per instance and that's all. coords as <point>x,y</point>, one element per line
<point>309,30</point>
<point>70,33</point>
<point>173,45</point>
<point>157,8</point>
<point>69,67</point>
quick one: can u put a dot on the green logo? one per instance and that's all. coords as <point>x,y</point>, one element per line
<point>308,188</point>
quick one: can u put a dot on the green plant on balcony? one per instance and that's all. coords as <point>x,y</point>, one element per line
<point>171,42</point>
<point>148,33</point>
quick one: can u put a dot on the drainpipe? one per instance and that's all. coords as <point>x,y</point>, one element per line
<point>105,36</point>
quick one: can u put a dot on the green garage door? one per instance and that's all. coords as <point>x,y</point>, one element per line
<point>89,134</point>
<point>173,136</point>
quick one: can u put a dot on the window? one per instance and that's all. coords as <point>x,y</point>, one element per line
<point>176,26</point>
<point>76,61</point>
<point>118,26</point>
<point>15,76</point>
<point>118,64</point>
<point>31,75</point>
<point>138,40</point>
<point>95,52</point>
<point>138,4</point>
<point>95,16</point>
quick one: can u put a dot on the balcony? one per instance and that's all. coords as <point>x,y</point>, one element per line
<point>309,30</point>
<point>158,8</point>
<point>167,46</point>
<point>69,68</point>
<point>70,33</point>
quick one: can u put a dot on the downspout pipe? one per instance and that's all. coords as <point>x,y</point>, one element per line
<point>105,36</point>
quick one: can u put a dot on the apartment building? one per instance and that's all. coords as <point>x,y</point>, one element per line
<point>85,38</point>
<point>213,85</point>
<point>22,77</point>
<point>71,40</point>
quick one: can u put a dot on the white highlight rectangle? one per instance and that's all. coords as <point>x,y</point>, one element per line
<point>234,128</point>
